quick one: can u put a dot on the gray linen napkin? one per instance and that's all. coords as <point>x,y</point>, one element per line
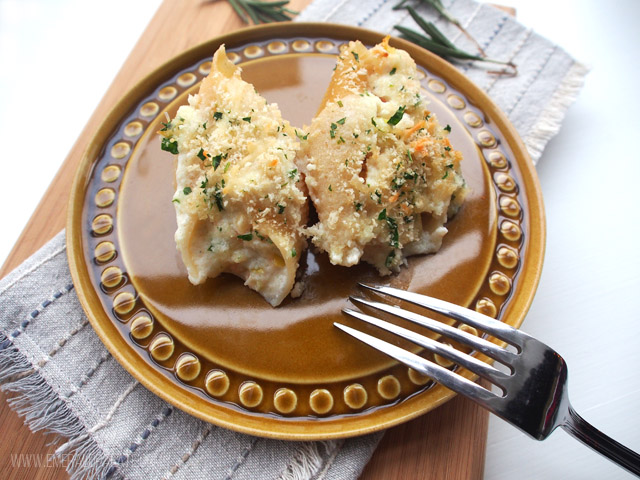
<point>63,380</point>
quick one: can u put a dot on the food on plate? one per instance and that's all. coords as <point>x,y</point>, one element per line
<point>378,166</point>
<point>380,169</point>
<point>240,200</point>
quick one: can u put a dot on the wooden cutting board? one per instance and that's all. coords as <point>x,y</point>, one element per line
<point>448,443</point>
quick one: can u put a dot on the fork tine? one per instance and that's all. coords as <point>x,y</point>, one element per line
<point>440,374</point>
<point>467,361</point>
<point>470,317</point>
<point>477,343</point>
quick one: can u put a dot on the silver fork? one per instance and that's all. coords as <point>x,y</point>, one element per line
<point>534,396</point>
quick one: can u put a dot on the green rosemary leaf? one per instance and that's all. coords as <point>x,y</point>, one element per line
<point>435,47</point>
<point>279,17</point>
<point>259,4</point>
<point>258,11</point>
<point>265,16</point>
<point>439,7</point>
<point>437,4</point>
<point>238,10</point>
<point>430,29</point>
<point>252,12</point>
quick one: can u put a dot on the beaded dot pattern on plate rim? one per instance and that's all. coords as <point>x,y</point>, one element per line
<point>213,382</point>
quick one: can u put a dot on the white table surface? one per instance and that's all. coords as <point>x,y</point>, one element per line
<point>54,71</point>
<point>586,304</point>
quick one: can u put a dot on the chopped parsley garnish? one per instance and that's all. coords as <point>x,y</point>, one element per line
<point>175,200</point>
<point>448,128</point>
<point>332,131</point>
<point>280,207</point>
<point>300,136</point>
<point>393,71</point>
<point>292,173</point>
<point>210,249</point>
<point>169,145</point>
<point>395,119</point>
<point>186,190</point>
<point>166,126</point>
<point>246,237</point>
<point>341,121</point>
<point>330,189</point>
<point>217,195</point>
<point>355,135</point>
<point>340,103</point>
<point>356,56</point>
<point>392,254</point>
<point>410,175</point>
<point>217,115</point>
<point>226,167</point>
<point>446,174</point>
<point>448,149</point>
<point>393,227</point>
<point>247,119</point>
<point>358,206</point>
<point>201,155</point>
<point>393,237</point>
<point>409,155</point>
<point>341,140</point>
<point>397,183</point>
<point>374,122</point>
<point>215,161</point>
<point>293,252</point>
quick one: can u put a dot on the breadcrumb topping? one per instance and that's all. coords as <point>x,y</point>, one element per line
<point>240,200</point>
<point>380,169</point>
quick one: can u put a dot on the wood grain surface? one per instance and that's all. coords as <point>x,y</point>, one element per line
<point>446,444</point>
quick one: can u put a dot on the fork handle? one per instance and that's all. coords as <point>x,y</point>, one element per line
<point>579,428</point>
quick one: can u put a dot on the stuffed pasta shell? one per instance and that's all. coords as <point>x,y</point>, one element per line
<point>240,202</point>
<point>379,168</point>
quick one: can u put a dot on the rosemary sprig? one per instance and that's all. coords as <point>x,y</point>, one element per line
<point>258,11</point>
<point>437,43</point>
<point>439,7</point>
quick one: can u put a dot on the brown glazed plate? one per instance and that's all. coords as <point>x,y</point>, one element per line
<point>219,351</point>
